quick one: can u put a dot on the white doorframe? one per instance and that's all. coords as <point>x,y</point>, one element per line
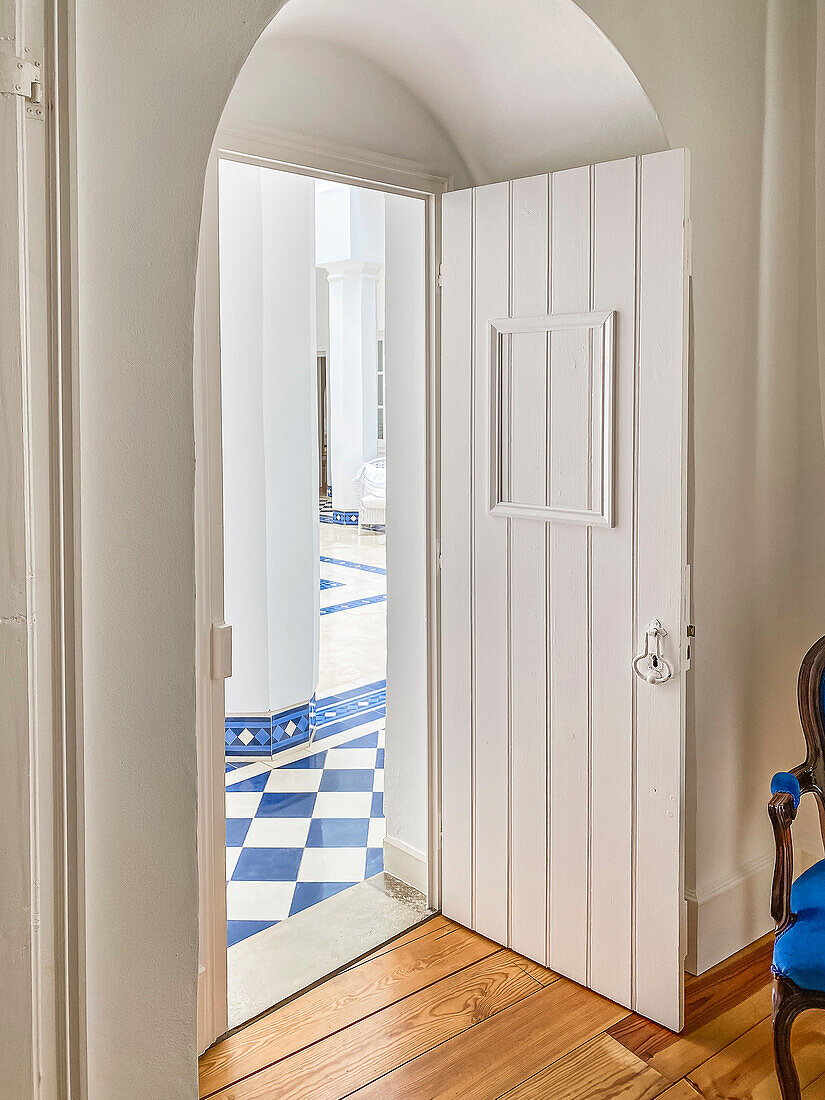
<point>39,574</point>
<point>287,153</point>
<point>209,691</point>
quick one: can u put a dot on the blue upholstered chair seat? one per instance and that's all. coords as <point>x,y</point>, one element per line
<point>799,951</point>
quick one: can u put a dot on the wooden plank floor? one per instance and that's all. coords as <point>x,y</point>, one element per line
<point>443,1012</point>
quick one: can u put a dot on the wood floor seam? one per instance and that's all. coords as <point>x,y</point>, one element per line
<point>353,1023</point>
<point>490,1024</point>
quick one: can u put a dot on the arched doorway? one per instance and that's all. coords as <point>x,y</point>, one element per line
<point>145,687</point>
<point>317,73</point>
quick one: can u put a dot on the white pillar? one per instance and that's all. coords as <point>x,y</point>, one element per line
<point>270,458</point>
<point>352,373</point>
<point>290,437</point>
<point>244,497</point>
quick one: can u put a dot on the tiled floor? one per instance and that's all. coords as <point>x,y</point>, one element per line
<point>353,649</point>
<point>300,832</point>
<point>304,827</point>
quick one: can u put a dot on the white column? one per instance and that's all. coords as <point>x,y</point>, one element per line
<point>352,373</point>
<point>244,495</point>
<point>290,437</point>
<point>270,428</point>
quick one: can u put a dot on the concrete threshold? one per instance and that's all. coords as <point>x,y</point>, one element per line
<point>276,964</point>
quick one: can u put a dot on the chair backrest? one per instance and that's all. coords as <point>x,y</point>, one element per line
<point>811,695</point>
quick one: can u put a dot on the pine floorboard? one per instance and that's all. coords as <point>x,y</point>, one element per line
<point>442,1012</point>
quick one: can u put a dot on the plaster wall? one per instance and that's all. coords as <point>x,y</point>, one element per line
<point>336,95</point>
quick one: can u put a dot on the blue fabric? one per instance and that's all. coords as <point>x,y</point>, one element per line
<point>787,783</point>
<point>799,951</point>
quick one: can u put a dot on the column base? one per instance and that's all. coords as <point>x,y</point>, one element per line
<point>345,519</point>
<point>267,734</point>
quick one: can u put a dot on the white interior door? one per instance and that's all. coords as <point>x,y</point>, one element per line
<point>563,516</point>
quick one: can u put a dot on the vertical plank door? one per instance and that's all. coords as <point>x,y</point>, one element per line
<point>562,538</point>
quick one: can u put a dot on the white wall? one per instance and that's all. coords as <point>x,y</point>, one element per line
<point>405,357</point>
<point>271,567</point>
<point>324,91</point>
<point>509,83</point>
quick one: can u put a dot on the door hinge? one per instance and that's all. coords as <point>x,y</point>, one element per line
<point>439,282</point>
<point>23,76</point>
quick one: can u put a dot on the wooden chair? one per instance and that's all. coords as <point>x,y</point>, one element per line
<point>799,907</point>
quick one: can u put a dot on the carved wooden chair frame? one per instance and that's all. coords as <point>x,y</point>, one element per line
<point>789,1000</point>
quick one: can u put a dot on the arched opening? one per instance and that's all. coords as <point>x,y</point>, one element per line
<point>450,97</point>
<point>144,157</point>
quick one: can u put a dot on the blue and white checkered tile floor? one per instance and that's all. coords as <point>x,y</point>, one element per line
<point>298,833</point>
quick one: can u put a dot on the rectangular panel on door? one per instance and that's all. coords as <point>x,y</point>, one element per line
<point>562,536</point>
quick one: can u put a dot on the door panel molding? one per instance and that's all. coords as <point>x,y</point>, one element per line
<point>595,448</point>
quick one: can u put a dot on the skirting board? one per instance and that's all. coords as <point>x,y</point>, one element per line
<point>726,918</point>
<point>405,863</point>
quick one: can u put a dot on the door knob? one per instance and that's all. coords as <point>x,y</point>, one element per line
<point>651,665</point>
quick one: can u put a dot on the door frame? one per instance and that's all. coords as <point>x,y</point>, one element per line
<point>39,453</point>
<point>287,153</point>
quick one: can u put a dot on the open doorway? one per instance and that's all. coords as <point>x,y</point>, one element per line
<point>323,362</point>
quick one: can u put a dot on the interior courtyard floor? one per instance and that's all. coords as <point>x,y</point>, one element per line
<point>442,1012</point>
<point>353,644</point>
<point>308,822</point>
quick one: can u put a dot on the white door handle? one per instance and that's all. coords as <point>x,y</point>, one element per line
<point>651,665</point>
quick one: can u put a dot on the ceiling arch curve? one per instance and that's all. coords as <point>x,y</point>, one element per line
<point>519,87</point>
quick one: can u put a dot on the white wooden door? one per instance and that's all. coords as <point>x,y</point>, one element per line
<point>562,537</point>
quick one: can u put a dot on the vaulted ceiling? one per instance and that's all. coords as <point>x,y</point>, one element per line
<point>519,86</point>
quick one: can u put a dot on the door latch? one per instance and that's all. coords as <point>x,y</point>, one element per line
<point>221,646</point>
<point>651,665</point>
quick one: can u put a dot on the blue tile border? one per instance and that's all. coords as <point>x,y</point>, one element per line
<point>338,713</point>
<point>351,693</point>
<point>355,565</point>
<point>345,519</point>
<point>330,715</point>
<point>362,602</point>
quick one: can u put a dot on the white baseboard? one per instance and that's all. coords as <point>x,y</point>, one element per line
<point>733,913</point>
<point>404,862</point>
